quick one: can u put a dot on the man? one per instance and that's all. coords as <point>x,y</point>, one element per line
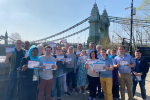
<point>77,53</point>
<point>140,70</point>
<point>91,48</point>
<point>26,47</point>
<point>79,49</point>
<point>14,59</point>
<point>46,77</point>
<point>66,46</point>
<point>98,48</point>
<point>124,63</point>
<point>115,88</point>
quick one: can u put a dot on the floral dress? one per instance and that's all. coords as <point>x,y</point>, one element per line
<point>82,73</point>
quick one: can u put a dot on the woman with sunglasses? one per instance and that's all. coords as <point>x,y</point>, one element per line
<point>58,74</point>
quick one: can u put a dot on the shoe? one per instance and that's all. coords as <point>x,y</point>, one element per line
<point>73,91</point>
<point>90,98</point>
<point>67,94</point>
<point>80,91</point>
<point>84,92</point>
<point>93,99</point>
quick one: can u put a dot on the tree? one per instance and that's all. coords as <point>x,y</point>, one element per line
<point>15,36</point>
<point>143,10</point>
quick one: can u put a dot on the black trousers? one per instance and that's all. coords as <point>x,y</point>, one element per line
<point>71,76</point>
<point>115,91</point>
<point>27,91</point>
<point>93,81</point>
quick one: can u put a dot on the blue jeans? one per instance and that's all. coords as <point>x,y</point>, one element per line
<point>57,83</point>
<point>142,87</point>
<point>12,82</point>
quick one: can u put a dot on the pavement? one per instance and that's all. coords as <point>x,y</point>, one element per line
<point>79,96</point>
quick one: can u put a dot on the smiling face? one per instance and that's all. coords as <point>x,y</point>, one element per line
<point>34,52</point>
<point>48,51</point>
<point>18,44</point>
<point>27,45</point>
<point>70,50</point>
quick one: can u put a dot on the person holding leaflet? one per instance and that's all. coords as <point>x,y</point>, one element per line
<point>124,63</point>
<point>93,77</point>
<point>71,68</point>
<point>58,74</point>
<point>46,76</point>
<point>106,76</point>
<point>82,72</point>
<point>64,51</point>
<point>28,78</point>
<point>139,73</point>
<point>14,59</point>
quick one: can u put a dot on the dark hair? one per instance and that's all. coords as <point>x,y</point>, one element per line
<point>58,48</point>
<point>95,54</point>
<point>103,49</point>
<point>138,50</point>
<point>79,44</point>
<point>121,46</point>
<point>48,47</point>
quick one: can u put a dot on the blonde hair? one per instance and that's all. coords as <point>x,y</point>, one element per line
<point>70,47</point>
<point>82,52</point>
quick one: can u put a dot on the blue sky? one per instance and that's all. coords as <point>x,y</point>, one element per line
<point>36,19</point>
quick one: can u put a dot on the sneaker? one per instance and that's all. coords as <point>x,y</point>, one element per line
<point>67,94</point>
<point>73,91</point>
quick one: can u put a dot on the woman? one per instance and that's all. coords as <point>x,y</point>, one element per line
<point>64,51</point>
<point>93,76</point>
<point>58,78</point>
<point>108,52</point>
<point>28,78</point>
<point>106,76</point>
<point>82,72</point>
<point>71,67</point>
<point>41,49</point>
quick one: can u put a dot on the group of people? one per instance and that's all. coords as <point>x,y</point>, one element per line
<point>34,84</point>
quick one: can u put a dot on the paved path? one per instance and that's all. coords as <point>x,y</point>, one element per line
<point>79,96</point>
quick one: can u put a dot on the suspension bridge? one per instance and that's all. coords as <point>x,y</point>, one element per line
<point>92,29</point>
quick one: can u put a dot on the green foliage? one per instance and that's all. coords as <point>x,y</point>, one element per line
<point>144,10</point>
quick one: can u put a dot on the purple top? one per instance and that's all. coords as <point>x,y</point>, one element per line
<point>115,72</point>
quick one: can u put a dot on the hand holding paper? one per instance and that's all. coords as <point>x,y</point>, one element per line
<point>24,67</point>
<point>8,55</point>
<point>60,57</point>
<point>10,49</point>
<point>33,64</point>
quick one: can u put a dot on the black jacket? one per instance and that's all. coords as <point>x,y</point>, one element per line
<point>143,68</point>
<point>25,77</point>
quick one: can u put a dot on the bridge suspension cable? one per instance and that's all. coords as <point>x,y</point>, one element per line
<point>62,31</point>
<point>69,35</point>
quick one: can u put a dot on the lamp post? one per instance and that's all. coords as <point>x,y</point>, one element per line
<point>130,50</point>
<point>132,13</point>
